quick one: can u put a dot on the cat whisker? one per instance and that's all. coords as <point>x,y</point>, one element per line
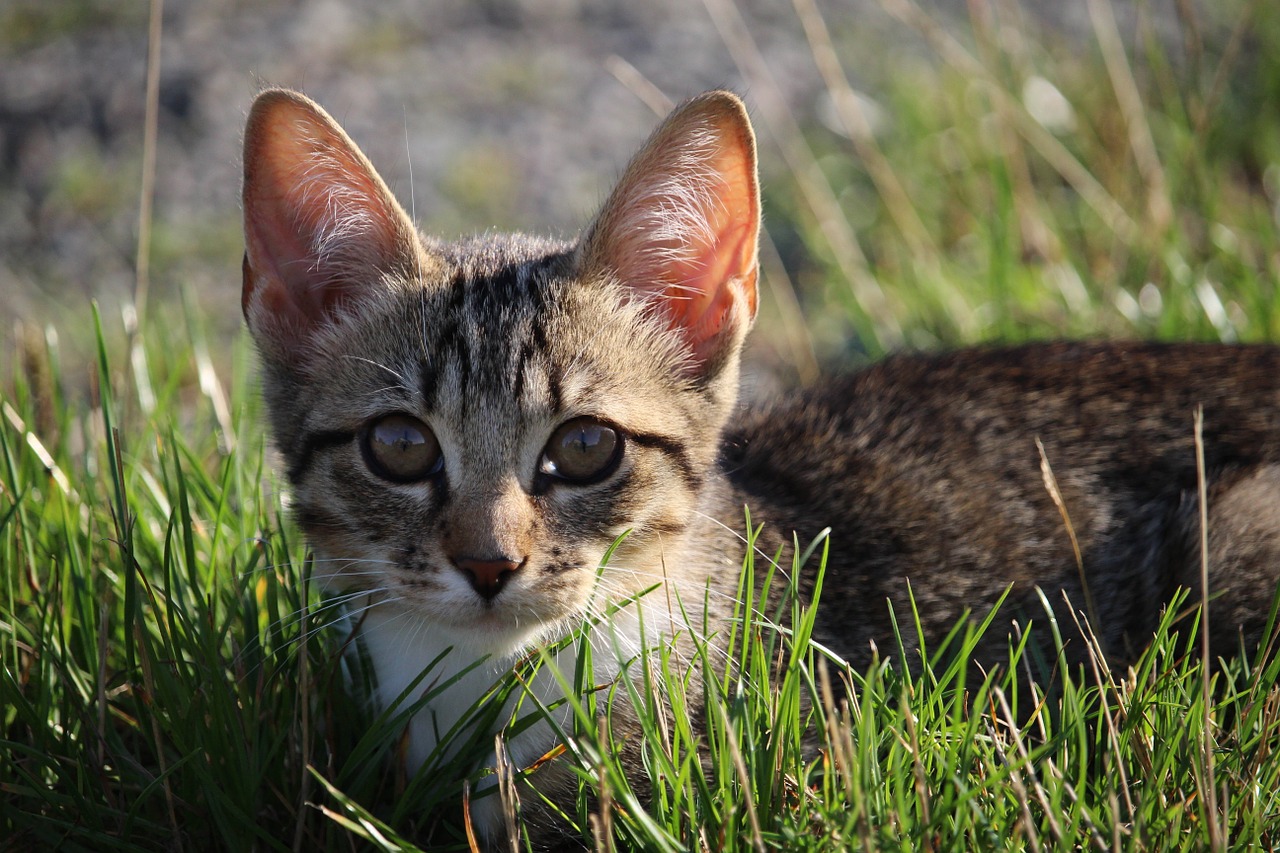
<point>768,558</point>
<point>662,578</point>
<point>338,614</point>
<point>404,385</point>
<point>310,610</point>
<point>323,563</point>
<point>598,612</point>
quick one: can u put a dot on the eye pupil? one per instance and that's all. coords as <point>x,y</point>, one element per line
<point>404,441</point>
<point>582,451</point>
<point>402,449</point>
<point>582,440</point>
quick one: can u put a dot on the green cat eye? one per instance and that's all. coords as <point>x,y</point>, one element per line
<point>582,451</point>
<point>401,448</point>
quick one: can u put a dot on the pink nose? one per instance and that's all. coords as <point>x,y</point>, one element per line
<point>487,577</point>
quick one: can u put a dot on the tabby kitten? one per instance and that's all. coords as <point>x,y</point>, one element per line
<point>469,427</point>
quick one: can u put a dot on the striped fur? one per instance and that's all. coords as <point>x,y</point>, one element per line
<point>926,468</point>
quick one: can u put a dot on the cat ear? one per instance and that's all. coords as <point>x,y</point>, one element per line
<point>680,230</point>
<point>321,228</point>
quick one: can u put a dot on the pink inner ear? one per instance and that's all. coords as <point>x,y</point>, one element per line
<point>279,262</point>
<point>682,230</point>
<point>320,226</point>
<point>717,274</point>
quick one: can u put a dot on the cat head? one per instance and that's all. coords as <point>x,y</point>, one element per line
<point>468,427</point>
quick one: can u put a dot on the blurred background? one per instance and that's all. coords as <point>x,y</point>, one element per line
<point>934,172</point>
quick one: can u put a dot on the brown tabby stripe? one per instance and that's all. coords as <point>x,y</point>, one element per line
<point>524,358</point>
<point>675,451</point>
<point>318,521</point>
<point>541,344</point>
<point>311,444</point>
<point>430,383</point>
<point>522,367</point>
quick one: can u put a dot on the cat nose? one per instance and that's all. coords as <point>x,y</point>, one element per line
<point>487,577</point>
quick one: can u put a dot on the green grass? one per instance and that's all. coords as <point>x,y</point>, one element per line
<point>172,680</point>
<point>975,222</point>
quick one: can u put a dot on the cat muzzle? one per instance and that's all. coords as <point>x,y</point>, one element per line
<point>487,577</point>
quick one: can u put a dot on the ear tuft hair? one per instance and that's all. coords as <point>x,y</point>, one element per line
<point>681,229</point>
<point>321,227</point>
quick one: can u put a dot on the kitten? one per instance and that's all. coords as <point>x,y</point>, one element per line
<point>468,428</point>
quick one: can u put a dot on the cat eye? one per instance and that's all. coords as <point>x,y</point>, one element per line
<point>401,448</point>
<point>582,451</point>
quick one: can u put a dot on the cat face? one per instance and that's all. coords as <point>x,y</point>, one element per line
<point>506,429</point>
<point>469,427</point>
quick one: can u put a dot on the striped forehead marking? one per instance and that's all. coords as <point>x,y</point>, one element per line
<point>491,336</point>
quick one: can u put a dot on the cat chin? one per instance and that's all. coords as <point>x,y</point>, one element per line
<point>499,638</point>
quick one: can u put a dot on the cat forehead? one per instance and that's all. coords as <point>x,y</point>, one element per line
<point>493,303</point>
<point>493,255</point>
<point>496,323</point>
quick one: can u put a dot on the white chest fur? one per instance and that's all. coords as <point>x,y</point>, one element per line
<point>461,692</point>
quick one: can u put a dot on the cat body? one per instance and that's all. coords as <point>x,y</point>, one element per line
<point>927,469</point>
<point>470,428</point>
